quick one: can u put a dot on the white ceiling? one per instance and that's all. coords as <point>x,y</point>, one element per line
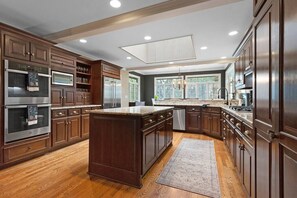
<point>208,27</point>
<point>43,17</point>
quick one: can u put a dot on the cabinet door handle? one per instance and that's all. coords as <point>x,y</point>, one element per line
<point>161,116</point>
<point>193,109</point>
<point>32,54</point>
<point>27,53</point>
<point>247,132</point>
<point>150,120</point>
<point>272,134</point>
<point>238,125</point>
<point>75,112</point>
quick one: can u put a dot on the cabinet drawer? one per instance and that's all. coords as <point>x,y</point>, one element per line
<point>169,114</point>
<point>73,112</point>
<point>59,113</point>
<point>25,149</point>
<point>148,121</point>
<point>161,116</point>
<point>86,110</point>
<point>212,109</point>
<point>63,60</point>
<point>193,109</point>
<point>248,132</point>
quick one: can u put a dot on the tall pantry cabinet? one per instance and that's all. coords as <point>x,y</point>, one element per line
<point>275,99</point>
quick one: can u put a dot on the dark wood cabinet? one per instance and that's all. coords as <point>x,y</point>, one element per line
<point>169,130</point>
<point>257,4</point>
<point>83,98</point>
<point>22,48</point>
<point>265,35</point>
<point>149,148</point>
<point>85,125</point>
<point>247,167</point>
<point>61,96</point>
<point>211,124</point>
<point>206,123</point>
<point>59,131</point>
<point>161,138</point>
<point>193,121</point>
<point>238,155</point>
<point>74,128</point>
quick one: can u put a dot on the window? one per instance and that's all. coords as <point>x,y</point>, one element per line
<point>164,88</point>
<point>134,88</point>
<point>203,87</point>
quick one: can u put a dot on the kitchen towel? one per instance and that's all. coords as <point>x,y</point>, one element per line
<point>32,114</point>
<point>33,84</point>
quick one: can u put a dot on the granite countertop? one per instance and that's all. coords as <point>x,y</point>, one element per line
<point>244,116</point>
<point>73,107</point>
<point>134,111</point>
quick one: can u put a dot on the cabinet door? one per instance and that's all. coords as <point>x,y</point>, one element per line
<point>69,97</point>
<point>161,138</point>
<point>39,53</point>
<point>169,130</point>
<point>16,47</point>
<point>74,128</point>
<point>288,127</point>
<point>79,98</point>
<point>194,122</point>
<point>85,125</point>
<point>59,131</point>
<point>56,97</point>
<point>216,125</point>
<point>247,168</point>
<point>237,160</point>
<point>257,6</point>
<point>206,123</point>
<point>149,148</point>
<point>88,98</point>
<point>263,71</point>
<point>232,143</point>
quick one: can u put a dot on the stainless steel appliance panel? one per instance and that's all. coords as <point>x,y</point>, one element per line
<point>179,122</point>
<point>16,125</point>
<point>15,84</point>
<point>111,93</point>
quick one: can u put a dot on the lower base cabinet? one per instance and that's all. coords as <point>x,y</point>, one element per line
<point>85,125</point>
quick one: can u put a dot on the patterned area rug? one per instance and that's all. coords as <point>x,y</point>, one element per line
<point>193,168</point>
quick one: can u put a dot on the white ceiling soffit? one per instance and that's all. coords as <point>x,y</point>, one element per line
<point>176,49</point>
<point>190,68</point>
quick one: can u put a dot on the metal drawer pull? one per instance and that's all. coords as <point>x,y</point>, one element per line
<point>75,112</point>
<point>238,125</point>
<point>150,120</point>
<point>232,120</point>
<point>161,116</point>
<point>193,109</point>
<point>247,132</point>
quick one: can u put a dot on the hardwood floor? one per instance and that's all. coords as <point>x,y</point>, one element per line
<point>63,173</point>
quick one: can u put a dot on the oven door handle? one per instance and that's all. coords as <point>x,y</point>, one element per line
<point>25,106</point>
<point>25,72</point>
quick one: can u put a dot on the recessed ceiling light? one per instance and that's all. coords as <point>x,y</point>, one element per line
<point>233,33</point>
<point>83,41</point>
<point>223,57</point>
<point>147,38</point>
<point>203,48</point>
<point>129,58</point>
<point>115,3</point>
<point>171,63</point>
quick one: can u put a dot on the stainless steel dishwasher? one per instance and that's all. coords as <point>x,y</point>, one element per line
<point>179,115</point>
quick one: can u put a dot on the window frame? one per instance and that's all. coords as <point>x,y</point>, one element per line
<point>139,84</point>
<point>168,77</point>
<point>201,75</point>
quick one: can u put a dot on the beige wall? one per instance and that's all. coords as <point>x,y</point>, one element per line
<point>125,88</point>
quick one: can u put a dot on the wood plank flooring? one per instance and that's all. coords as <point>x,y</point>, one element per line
<point>63,173</point>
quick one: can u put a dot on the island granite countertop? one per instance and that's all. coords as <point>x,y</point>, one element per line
<point>132,111</point>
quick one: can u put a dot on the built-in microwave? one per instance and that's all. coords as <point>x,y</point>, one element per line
<point>16,78</point>
<point>61,78</point>
<point>16,123</point>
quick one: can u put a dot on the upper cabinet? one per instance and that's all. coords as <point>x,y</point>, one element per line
<point>244,64</point>
<point>62,60</point>
<point>257,6</point>
<point>23,48</point>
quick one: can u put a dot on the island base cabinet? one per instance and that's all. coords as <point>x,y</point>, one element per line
<point>169,131</point>
<point>161,137</point>
<point>149,148</point>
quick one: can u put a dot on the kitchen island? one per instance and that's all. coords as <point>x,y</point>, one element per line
<point>126,142</point>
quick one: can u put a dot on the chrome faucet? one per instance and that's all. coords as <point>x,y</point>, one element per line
<point>225,94</point>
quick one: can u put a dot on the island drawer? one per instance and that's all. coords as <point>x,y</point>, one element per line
<point>149,120</point>
<point>86,110</point>
<point>73,112</point>
<point>161,116</point>
<point>59,113</point>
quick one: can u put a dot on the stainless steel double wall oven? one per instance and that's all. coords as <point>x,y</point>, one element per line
<point>18,98</point>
